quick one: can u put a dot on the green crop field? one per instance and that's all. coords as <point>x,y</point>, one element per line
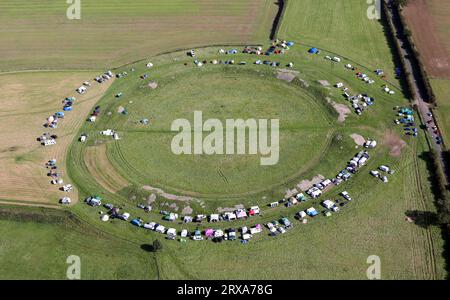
<point>441,89</point>
<point>38,35</point>
<point>341,27</point>
<point>319,133</point>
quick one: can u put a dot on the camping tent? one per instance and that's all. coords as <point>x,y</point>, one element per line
<point>230,216</point>
<point>209,232</point>
<point>328,204</point>
<point>311,212</point>
<point>240,213</point>
<point>313,50</point>
<point>214,218</point>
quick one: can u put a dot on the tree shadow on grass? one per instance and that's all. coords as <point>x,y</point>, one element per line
<point>147,248</point>
<point>422,219</point>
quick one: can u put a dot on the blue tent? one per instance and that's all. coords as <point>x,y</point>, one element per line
<point>312,213</point>
<point>290,44</point>
<point>67,108</point>
<point>313,50</point>
<point>60,114</point>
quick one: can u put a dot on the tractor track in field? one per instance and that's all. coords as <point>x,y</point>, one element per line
<point>225,179</point>
<point>430,244</point>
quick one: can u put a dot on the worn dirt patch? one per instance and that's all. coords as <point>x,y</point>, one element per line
<point>324,82</point>
<point>359,139</point>
<point>290,193</point>
<point>304,185</point>
<point>286,75</point>
<point>153,85</point>
<point>342,109</point>
<point>166,195</point>
<point>230,209</point>
<point>187,210</point>
<point>394,142</point>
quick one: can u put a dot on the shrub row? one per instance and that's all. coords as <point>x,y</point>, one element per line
<point>441,192</point>
<point>282,4</point>
<point>410,85</point>
<point>32,214</point>
<point>422,70</point>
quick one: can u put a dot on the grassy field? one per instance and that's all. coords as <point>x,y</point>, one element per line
<point>374,223</point>
<point>144,155</point>
<point>341,27</point>
<point>440,11</point>
<point>40,249</point>
<point>441,88</point>
<point>27,100</point>
<point>38,35</point>
<point>382,209</point>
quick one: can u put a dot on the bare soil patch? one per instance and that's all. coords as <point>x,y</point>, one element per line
<point>324,82</point>
<point>359,139</point>
<point>230,209</point>
<point>153,85</point>
<point>304,185</point>
<point>290,193</point>
<point>422,23</point>
<point>394,142</point>
<point>187,210</point>
<point>167,195</point>
<point>286,75</point>
<point>342,109</point>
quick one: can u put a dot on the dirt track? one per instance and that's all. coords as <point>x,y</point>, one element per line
<point>422,23</point>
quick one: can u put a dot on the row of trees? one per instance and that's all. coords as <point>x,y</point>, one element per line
<point>422,70</point>
<point>410,85</point>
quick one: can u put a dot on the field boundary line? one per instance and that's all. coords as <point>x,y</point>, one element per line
<point>27,203</point>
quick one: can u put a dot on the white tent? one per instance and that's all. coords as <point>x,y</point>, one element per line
<point>214,218</point>
<point>328,204</point>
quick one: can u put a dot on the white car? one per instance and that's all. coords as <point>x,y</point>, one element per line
<point>67,188</point>
<point>281,230</point>
<point>385,169</point>
<point>171,233</point>
<point>160,229</point>
<point>346,195</point>
<point>57,181</point>
<point>375,173</point>
<point>301,214</point>
<point>65,200</point>
<point>125,216</point>
<point>150,225</point>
